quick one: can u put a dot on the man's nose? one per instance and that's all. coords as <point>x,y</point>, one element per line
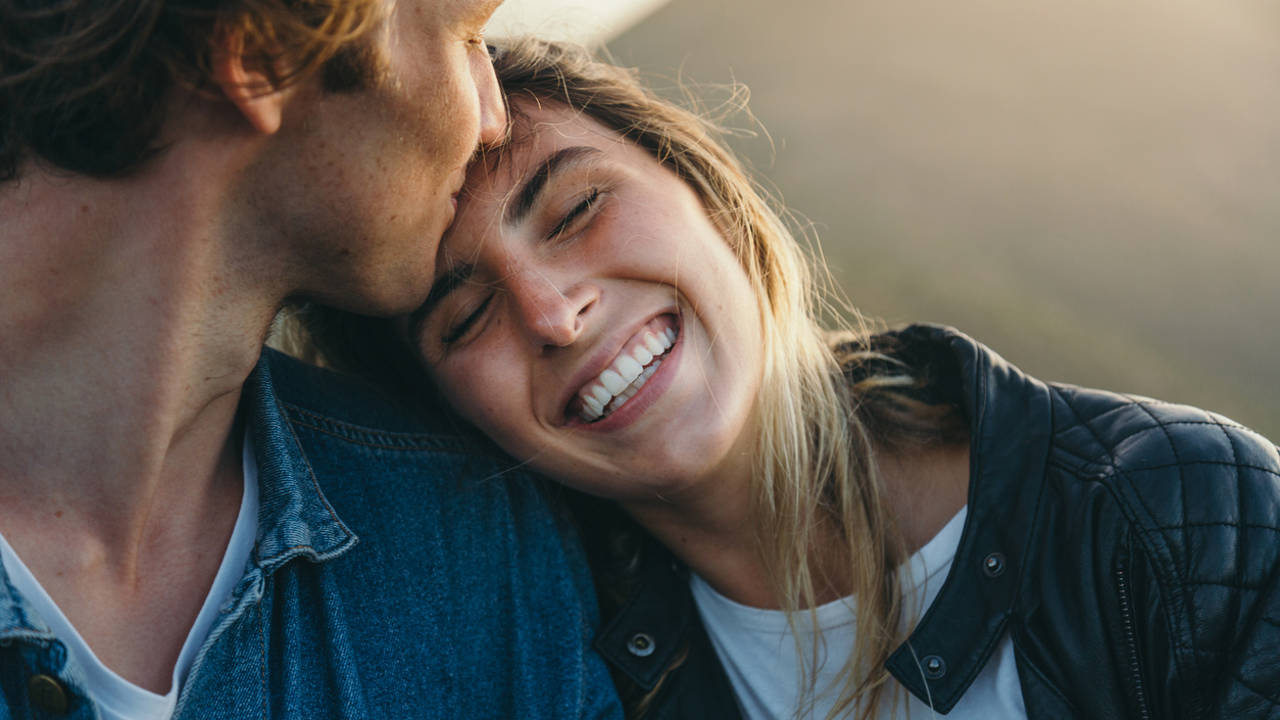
<point>553,315</point>
<point>493,107</point>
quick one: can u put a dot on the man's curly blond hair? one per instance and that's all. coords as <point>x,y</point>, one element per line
<point>84,83</point>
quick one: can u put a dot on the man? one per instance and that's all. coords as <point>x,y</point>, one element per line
<point>179,515</point>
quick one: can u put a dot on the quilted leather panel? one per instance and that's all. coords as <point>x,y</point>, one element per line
<point>1202,498</point>
<point>1146,542</point>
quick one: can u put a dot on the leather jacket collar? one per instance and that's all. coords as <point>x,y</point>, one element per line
<point>1009,417</point>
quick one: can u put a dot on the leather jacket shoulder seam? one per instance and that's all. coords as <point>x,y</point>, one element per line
<point>1107,448</point>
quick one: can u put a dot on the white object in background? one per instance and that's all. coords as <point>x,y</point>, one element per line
<point>589,22</point>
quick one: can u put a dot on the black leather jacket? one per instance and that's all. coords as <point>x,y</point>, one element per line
<point>1131,548</point>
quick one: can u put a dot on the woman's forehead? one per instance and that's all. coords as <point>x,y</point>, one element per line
<point>536,131</point>
<point>539,135</point>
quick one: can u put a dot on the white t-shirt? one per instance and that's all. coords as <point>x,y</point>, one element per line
<point>117,698</point>
<point>759,652</point>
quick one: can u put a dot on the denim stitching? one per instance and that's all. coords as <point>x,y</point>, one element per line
<point>370,437</point>
<point>315,483</point>
<point>262,643</point>
<point>428,444</point>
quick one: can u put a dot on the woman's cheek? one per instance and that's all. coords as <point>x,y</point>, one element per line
<point>479,392</point>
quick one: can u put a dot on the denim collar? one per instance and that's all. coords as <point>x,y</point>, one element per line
<point>294,518</point>
<point>16,619</point>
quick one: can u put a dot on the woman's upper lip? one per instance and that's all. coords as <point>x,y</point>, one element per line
<point>601,359</point>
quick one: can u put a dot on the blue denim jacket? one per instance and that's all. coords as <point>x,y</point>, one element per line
<point>398,573</point>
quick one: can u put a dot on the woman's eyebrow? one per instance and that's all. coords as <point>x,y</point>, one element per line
<point>556,162</point>
<point>440,289</point>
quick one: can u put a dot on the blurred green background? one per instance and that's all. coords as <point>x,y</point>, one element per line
<point>1092,188</point>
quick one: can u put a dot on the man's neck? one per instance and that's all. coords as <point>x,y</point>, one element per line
<point>124,340</point>
<point>129,319</point>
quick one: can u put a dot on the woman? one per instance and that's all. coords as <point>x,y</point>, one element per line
<point>617,306</point>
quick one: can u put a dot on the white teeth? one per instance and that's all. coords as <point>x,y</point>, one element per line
<point>654,345</point>
<point>601,395</point>
<point>628,368</point>
<point>618,384</point>
<point>612,382</point>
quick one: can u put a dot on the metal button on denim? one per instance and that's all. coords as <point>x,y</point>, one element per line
<point>640,645</point>
<point>47,694</point>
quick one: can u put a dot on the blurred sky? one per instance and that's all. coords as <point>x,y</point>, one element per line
<point>1092,187</point>
<point>590,22</point>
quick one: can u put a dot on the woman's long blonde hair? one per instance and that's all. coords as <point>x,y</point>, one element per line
<point>814,477</point>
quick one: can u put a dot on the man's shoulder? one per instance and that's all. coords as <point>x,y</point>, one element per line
<point>390,544</point>
<point>375,456</point>
<point>360,411</point>
<point>320,392</point>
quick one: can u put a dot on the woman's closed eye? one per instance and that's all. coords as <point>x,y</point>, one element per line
<point>467,318</point>
<point>576,215</point>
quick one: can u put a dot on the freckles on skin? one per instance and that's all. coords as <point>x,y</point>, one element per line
<point>648,248</point>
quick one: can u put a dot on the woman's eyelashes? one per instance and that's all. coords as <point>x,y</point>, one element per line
<point>458,331</point>
<point>578,213</point>
<point>581,208</point>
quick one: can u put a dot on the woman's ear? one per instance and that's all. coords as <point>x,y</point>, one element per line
<point>251,88</point>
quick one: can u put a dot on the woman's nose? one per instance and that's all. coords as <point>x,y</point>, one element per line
<point>553,317</point>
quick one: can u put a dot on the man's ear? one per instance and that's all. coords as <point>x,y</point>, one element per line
<point>250,88</point>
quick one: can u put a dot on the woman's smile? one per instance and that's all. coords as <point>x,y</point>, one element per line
<point>641,358</point>
<point>633,382</point>
<point>573,319</point>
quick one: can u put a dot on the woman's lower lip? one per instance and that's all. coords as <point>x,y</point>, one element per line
<point>646,396</point>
